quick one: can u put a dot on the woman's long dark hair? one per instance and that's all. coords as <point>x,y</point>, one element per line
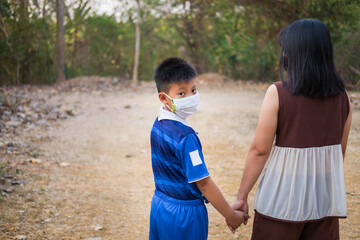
<point>307,57</point>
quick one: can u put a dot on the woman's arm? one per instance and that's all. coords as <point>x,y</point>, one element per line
<point>215,197</point>
<point>260,147</point>
<point>346,131</point>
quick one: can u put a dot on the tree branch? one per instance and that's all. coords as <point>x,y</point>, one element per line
<point>7,102</point>
<point>354,70</point>
<point>3,28</point>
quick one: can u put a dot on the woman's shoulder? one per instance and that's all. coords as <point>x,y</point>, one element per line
<point>280,85</point>
<point>282,88</point>
<point>275,88</point>
<point>272,89</point>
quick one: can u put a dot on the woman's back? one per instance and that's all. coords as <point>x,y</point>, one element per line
<point>303,178</point>
<point>301,190</point>
<point>305,122</point>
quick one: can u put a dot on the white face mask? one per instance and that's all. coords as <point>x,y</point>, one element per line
<point>184,107</point>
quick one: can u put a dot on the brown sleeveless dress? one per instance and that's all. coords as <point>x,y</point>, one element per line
<point>303,178</point>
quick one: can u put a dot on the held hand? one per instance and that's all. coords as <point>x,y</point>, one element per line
<point>237,218</point>
<point>242,205</point>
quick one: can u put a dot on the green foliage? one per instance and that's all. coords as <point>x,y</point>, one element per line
<point>235,38</point>
<point>4,8</point>
<point>75,27</point>
<point>347,52</point>
<point>26,45</point>
<point>102,35</point>
<point>342,17</point>
<point>158,41</point>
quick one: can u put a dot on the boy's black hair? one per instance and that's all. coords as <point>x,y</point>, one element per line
<point>307,57</point>
<point>172,70</point>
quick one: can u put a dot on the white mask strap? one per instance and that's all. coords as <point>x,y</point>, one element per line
<point>172,102</point>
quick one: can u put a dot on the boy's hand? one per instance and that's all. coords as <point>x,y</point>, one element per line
<point>236,219</point>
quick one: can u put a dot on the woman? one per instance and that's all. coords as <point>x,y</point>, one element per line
<point>301,192</point>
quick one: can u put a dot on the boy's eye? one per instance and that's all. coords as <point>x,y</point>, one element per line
<point>194,90</point>
<point>182,94</point>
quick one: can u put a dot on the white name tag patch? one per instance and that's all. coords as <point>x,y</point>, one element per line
<point>195,158</point>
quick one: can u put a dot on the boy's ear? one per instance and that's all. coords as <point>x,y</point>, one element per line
<point>162,98</point>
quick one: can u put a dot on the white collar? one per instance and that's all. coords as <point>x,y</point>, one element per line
<point>164,114</point>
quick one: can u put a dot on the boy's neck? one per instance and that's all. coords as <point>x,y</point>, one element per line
<point>165,114</point>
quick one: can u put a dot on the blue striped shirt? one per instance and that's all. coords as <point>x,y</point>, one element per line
<point>177,160</point>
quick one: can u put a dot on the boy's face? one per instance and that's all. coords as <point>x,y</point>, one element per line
<point>178,90</point>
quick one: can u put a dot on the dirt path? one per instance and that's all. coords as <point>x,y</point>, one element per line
<point>104,185</point>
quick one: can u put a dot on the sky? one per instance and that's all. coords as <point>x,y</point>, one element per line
<point>110,7</point>
<point>106,6</point>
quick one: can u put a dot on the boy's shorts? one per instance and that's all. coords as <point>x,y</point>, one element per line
<point>173,219</point>
<point>267,228</point>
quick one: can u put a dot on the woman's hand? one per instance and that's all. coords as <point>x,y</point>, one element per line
<point>234,218</point>
<point>242,205</point>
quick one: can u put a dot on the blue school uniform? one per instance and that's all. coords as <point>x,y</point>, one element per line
<point>177,208</point>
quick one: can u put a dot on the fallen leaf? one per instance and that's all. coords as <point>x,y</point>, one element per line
<point>21,237</point>
<point>9,190</point>
<point>17,182</point>
<point>46,220</point>
<point>44,182</point>
<point>130,106</point>
<point>35,160</point>
<point>64,164</point>
<point>98,227</point>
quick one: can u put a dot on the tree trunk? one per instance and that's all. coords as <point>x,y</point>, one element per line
<point>193,35</point>
<point>137,45</point>
<point>60,42</point>
<point>17,71</point>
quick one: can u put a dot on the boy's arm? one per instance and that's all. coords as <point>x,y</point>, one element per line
<point>215,197</point>
<point>189,152</point>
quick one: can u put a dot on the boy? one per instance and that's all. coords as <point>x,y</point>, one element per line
<point>182,180</point>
